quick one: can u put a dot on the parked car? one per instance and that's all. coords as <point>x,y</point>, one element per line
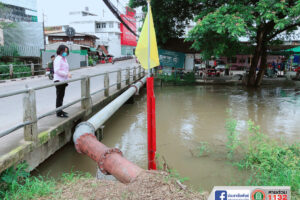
<point>296,68</point>
<point>220,67</point>
<point>213,72</point>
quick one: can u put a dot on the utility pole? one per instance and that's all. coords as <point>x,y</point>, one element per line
<point>44,31</point>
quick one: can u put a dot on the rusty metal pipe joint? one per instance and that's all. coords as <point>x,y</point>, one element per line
<point>110,161</point>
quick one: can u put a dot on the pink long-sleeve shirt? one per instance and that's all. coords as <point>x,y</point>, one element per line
<point>61,69</point>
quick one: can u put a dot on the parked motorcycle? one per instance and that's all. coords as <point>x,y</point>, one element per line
<point>50,73</point>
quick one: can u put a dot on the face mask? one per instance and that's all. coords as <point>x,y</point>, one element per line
<point>64,54</point>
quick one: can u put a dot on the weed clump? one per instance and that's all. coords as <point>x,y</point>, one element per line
<point>271,163</point>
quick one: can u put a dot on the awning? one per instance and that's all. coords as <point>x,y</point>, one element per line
<point>104,49</point>
<point>291,51</point>
<point>294,50</point>
<point>93,49</point>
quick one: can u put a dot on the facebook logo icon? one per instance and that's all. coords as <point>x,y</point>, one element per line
<point>221,195</point>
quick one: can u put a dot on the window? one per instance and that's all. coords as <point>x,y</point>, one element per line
<point>111,24</point>
<point>100,25</point>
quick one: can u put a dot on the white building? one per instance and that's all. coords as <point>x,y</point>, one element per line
<point>25,38</point>
<point>19,10</point>
<point>102,23</point>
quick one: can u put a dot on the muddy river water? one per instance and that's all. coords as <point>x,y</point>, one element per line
<point>188,117</point>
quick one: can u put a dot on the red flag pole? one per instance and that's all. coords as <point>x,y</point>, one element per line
<point>151,124</point>
<point>150,108</point>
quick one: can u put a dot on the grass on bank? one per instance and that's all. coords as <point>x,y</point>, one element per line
<point>271,163</point>
<point>16,183</point>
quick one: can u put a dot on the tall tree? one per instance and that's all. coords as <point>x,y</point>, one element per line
<point>263,21</point>
<point>170,16</point>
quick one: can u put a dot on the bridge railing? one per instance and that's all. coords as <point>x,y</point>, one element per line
<point>21,70</point>
<point>30,117</point>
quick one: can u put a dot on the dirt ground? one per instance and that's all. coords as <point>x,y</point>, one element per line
<point>149,185</point>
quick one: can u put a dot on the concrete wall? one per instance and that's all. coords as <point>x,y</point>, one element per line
<point>189,62</point>
<point>84,26</point>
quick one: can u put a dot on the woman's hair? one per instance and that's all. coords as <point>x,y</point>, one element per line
<point>61,49</point>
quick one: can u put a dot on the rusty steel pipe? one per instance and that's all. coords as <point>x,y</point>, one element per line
<point>109,161</point>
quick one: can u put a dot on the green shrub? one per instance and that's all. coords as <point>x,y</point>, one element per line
<point>271,163</point>
<point>16,183</point>
<point>91,61</point>
<point>202,149</point>
<point>187,78</point>
<point>19,70</point>
<point>233,141</point>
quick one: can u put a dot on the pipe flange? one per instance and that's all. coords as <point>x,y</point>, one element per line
<point>85,123</point>
<point>83,127</point>
<point>82,136</point>
<point>141,82</point>
<point>136,89</point>
<point>104,156</point>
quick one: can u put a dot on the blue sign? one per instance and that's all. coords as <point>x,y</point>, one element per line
<point>171,58</point>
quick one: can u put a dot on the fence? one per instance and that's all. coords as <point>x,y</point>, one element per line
<point>20,70</point>
<point>30,117</point>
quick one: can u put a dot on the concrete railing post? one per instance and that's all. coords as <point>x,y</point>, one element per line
<point>119,75</point>
<point>139,72</point>
<point>134,74</point>
<point>32,69</point>
<point>143,72</point>
<point>29,115</point>
<point>11,71</point>
<point>106,85</point>
<point>86,103</point>
<point>127,76</point>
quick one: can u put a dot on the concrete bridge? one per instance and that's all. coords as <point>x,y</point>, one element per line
<point>29,128</point>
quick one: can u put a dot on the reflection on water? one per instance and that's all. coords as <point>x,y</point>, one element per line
<point>186,117</point>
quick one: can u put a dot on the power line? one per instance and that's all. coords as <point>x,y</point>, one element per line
<point>117,14</point>
<point>124,15</point>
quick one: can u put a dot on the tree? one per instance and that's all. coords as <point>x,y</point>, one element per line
<point>4,23</point>
<point>221,23</point>
<point>170,16</point>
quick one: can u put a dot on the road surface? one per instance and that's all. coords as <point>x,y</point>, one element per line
<point>11,108</point>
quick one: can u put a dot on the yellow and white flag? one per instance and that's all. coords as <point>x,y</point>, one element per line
<point>142,48</point>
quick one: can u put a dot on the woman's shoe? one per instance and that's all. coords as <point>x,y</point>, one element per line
<point>62,115</point>
<point>65,113</point>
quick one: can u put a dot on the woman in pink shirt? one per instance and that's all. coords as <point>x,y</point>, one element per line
<point>61,74</point>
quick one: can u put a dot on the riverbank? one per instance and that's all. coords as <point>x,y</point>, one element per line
<point>18,184</point>
<point>238,79</point>
<point>149,185</point>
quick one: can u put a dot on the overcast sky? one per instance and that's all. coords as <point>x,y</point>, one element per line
<point>56,11</point>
